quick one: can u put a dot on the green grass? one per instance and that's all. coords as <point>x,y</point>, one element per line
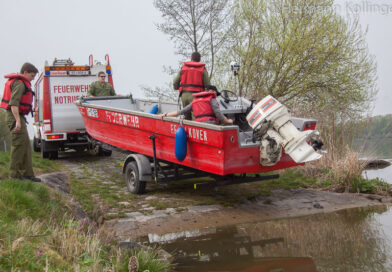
<point>20,199</point>
<point>228,195</point>
<point>289,179</point>
<point>108,197</point>
<point>159,205</point>
<point>149,260</point>
<point>38,233</point>
<point>370,186</point>
<point>40,165</point>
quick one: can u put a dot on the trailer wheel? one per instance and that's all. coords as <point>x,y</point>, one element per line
<point>134,184</point>
<point>36,145</point>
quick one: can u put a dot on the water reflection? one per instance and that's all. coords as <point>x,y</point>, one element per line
<point>350,240</point>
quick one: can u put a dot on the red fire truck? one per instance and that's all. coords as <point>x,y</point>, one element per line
<point>57,122</point>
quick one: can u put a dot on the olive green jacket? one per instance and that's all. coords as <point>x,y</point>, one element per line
<point>99,89</point>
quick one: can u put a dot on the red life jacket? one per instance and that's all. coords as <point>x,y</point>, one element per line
<point>201,107</point>
<point>192,77</point>
<point>26,101</point>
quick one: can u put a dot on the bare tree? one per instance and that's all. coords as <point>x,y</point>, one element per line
<point>196,25</point>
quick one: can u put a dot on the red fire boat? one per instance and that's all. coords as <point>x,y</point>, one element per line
<point>263,138</point>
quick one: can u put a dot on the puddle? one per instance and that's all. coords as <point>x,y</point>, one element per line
<point>349,240</point>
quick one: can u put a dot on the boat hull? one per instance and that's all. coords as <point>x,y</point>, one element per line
<point>210,148</point>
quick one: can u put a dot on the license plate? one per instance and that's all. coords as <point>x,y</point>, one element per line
<point>78,73</point>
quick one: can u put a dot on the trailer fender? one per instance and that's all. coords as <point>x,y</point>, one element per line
<point>143,165</point>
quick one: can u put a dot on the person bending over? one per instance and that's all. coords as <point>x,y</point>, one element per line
<point>205,108</point>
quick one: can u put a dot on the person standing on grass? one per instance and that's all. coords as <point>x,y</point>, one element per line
<point>5,140</point>
<point>17,100</point>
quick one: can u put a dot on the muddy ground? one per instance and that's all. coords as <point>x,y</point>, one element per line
<point>98,185</point>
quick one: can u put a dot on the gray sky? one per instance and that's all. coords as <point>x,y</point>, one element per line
<point>41,30</point>
<point>376,15</point>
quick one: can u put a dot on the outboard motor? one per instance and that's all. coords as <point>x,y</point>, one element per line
<point>272,126</point>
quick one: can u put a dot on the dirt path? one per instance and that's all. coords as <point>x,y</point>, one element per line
<point>97,183</point>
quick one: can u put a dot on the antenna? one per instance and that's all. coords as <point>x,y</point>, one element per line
<point>235,68</point>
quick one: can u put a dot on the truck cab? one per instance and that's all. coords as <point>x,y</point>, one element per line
<point>57,121</point>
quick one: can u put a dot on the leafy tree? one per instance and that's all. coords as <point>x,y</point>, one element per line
<point>302,51</point>
<point>372,136</point>
<point>306,55</point>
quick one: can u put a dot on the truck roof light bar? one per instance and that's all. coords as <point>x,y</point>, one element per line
<point>67,68</point>
<point>62,62</point>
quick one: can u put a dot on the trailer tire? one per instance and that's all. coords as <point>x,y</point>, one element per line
<point>36,145</point>
<point>131,175</point>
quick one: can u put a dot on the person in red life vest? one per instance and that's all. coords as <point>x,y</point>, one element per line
<point>17,100</point>
<point>192,78</point>
<point>205,108</point>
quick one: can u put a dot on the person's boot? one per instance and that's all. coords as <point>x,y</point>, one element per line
<point>33,179</point>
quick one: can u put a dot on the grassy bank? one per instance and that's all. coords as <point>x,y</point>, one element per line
<point>40,165</point>
<point>344,174</point>
<point>39,232</point>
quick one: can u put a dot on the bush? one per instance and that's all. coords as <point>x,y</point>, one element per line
<point>343,172</point>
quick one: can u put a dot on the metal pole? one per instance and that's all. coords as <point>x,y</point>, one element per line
<point>152,137</point>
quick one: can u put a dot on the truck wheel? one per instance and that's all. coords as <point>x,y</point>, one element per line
<point>79,149</point>
<point>36,145</point>
<point>96,150</point>
<point>106,152</point>
<point>100,151</point>
<point>44,153</point>
<point>53,155</point>
<point>134,185</point>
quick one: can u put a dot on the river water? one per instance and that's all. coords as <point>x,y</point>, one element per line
<point>348,240</point>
